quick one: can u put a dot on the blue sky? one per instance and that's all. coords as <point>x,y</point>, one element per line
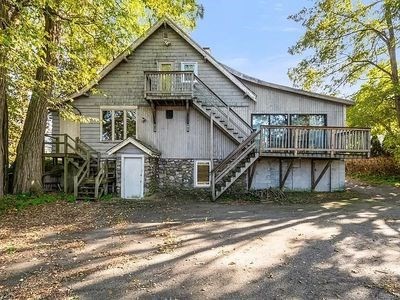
<point>252,36</point>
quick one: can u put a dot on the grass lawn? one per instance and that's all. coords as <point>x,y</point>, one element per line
<point>378,179</point>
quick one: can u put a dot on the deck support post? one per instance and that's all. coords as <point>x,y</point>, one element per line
<point>212,142</point>
<point>154,113</point>
<point>187,115</point>
<point>250,175</point>
<point>65,175</point>
<point>212,174</point>
<point>314,182</point>
<point>282,179</point>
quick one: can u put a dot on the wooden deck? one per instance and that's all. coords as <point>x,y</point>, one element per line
<point>169,86</point>
<point>314,142</point>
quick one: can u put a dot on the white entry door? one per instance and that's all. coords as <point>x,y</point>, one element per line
<point>132,177</point>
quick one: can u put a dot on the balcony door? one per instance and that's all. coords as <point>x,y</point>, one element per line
<point>166,79</point>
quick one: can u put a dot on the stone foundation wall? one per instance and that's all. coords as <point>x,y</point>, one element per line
<point>179,173</point>
<point>151,171</point>
<point>175,173</point>
<point>162,173</point>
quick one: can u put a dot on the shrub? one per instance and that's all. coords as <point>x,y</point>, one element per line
<point>377,166</point>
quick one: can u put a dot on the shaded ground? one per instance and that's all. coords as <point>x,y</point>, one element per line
<point>195,250</point>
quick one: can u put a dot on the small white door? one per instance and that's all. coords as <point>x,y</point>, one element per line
<point>132,177</point>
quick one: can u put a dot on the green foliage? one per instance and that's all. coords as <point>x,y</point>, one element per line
<point>350,42</point>
<point>11,249</point>
<point>377,170</point>
<point>346,39</point>
<point>107,198</point>
<point>26,200</point>
<point>88,35</point>
<point>374,108</point>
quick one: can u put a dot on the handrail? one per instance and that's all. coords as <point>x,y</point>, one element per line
<point>237,160</point>
<point>168,83</point>
<point>98,179</point>
<point>332,139</point>
<point>168,72</point>
<point>234,152</point>
<point>223,102</point>
<point>78,178</point>
<point>90,149</point>
<point>315,127</point>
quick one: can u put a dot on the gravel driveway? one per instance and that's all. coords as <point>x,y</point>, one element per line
<point>165,249</point>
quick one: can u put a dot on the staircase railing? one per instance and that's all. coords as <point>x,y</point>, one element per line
<point>248,146</point>
<point>99,178</point>
<point>83,172</point>
<point>211,99</point>
<point>58,144</point>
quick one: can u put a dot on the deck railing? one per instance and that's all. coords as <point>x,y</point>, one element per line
<point>168,84</point>
<point>315,141</point>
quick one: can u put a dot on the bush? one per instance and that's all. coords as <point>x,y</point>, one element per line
<point>24,200</point>
<point>377,166</point>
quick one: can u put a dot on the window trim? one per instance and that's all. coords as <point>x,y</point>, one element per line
<point>159,63</point>
<point>195,71</point>
<point>196,162</point>
<point>289,117</point>
<point>113,109</point>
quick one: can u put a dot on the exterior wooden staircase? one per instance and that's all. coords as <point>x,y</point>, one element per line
<point>92,176</point>
<point>223,116</point>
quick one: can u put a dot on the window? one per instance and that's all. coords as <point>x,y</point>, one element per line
<point>308,120</point>
<point>283,137</point>
<point>313,138</point>
<point>189,67</point>
<point>169,114</point>
<point>202,173</point>
<point>273,137</point>
<point>117,124</point>
<point>268,119</point>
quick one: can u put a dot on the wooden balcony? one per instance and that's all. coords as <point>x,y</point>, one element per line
<point>314,142</point>
<point>169,87</point>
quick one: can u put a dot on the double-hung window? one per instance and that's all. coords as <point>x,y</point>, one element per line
<point>117,124</point>
<point>189,67</point>
<point>202,173</point>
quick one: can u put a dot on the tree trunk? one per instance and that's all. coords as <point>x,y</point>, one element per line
<point>28,167</point>
<point>4,23</point>
<point>391,46</point>
<point>3,126</point>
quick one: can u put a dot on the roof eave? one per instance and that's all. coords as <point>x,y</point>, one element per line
<point>248,78</point>
<point>141,39</point>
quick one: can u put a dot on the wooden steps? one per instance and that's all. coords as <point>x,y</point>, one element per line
<point>224,117</point>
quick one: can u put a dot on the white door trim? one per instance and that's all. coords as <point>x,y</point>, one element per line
<point>123,157</point>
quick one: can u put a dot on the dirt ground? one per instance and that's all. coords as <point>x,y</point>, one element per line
<point>182,249</point>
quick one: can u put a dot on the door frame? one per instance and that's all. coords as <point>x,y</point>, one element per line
<point>123,157</point>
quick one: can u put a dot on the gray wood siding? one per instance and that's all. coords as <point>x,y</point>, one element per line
<point>271,100</point>
<point>172,139</point>
<point>124,86</point>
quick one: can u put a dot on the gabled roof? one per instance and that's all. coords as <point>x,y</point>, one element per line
<point>286,88</point>
<point>187,38</point>
<point>138,144</point>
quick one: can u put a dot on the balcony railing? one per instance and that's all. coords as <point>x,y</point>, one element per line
<point>305,141</point>
<point>166,85</point>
